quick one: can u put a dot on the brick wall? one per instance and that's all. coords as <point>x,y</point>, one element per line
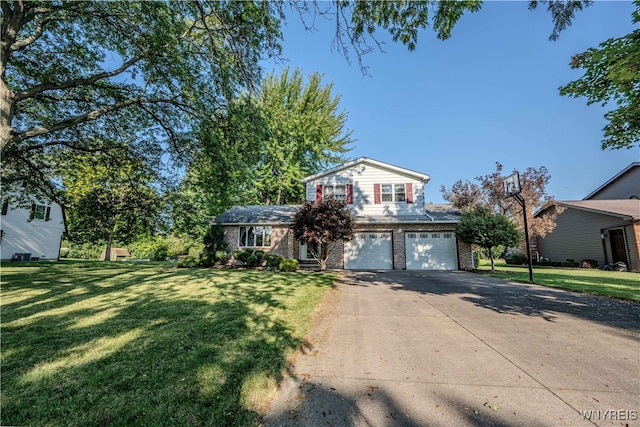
<point>281,241</point>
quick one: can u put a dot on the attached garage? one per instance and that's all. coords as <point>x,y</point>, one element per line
<point>369,251</point>
<point>431,250</point>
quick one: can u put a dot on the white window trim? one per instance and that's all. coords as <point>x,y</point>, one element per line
<point>393,193</point>
<point>267,230</point>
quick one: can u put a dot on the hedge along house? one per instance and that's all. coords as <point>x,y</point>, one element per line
<point>394,227</point>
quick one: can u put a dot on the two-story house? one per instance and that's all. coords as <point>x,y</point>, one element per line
<point>31,234</point>
<point>395,229</point>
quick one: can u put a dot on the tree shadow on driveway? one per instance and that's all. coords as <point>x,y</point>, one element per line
<point>505,297</point>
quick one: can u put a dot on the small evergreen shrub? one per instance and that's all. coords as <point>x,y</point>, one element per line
<point>272,261</point>
<point>252,260</point>
<point>289,265</point>
<point>242,255</point>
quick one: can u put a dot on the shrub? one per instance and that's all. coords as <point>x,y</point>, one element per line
<point>242,255</point>
<point>85,250</point>
<point>273,261</point>
<point>188,262</point>
<point>569,263</point>
<point>221,257</point>
<point>252,260</point>
<point>516,259</point>
<point>289,265</point>
<point>154,248</point>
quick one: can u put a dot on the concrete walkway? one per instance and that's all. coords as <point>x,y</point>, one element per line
<point>458,349</point>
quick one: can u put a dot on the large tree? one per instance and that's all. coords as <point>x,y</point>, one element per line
<point>487,229</point>
<point>306,134</point>
<point>322,225</point>
<point>612,76</point>
<point>107,200</point>
<point>79,76</point>
<point>488,193</point>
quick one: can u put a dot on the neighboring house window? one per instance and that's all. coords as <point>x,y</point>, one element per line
<point>386,193</point>
<point>40,212</point>
<point>5,207</point>
<point>338,192</point>
<point>254,236</point>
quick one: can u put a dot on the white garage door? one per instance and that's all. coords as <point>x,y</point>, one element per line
<point>369,251</point>
<point>431,251</point>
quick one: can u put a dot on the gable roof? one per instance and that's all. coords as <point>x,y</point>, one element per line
<point>364,160</point>
<point>269,214</point>
<point>613,179</point>
<point>626,209</point>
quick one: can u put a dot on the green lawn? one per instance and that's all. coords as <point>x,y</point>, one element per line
<point>89,343</point>
<point>625,285</point>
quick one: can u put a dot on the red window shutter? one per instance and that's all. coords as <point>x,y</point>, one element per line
<point>318,193</point>
<point>349,194</point>
<point>376,194</point>
<point>409,190</point>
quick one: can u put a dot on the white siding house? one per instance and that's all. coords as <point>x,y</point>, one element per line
<point>395,230</point>
<point>34,232</point>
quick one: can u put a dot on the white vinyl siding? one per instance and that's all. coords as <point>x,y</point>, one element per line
<point>431,251</point>
<point>369,251</point>
<point>363,177</point>
<point>24,232</point>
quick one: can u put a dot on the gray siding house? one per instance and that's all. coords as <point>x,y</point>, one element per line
<point>604,226</point>
<point>624,185</point>
<point>395,230</point>
<point>607,231</point>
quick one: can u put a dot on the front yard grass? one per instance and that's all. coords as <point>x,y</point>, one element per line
<point>624,285</point>
<point>90,343</point>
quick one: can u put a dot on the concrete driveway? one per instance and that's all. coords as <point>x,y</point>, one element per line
<point>455,348</point>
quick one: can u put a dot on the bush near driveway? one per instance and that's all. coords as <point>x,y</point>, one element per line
<point>88,343</point>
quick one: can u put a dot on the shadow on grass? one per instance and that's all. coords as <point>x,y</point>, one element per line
<point>130,345</point>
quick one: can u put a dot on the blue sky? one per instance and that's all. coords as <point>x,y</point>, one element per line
<point>453,108</point>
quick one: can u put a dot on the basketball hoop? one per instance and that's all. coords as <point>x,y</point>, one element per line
<point>511,185</point>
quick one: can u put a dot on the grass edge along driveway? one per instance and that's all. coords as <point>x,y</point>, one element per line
<point>615,284</point>
<point>90,343</point>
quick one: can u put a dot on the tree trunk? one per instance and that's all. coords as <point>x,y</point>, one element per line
<point>107,255</point>
<point>491,258</point>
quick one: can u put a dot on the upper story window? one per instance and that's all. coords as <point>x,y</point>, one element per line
<point>254,236</point>
<point>388,193</point>
<point>40,212</point>
<point>338,192</point>
<point>393,193</point>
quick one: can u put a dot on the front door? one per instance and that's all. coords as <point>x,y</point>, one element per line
<point>618,247</point>
<point>306,253</point>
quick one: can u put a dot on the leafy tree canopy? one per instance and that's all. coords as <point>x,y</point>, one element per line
<point>107,200</point>
<point>488,193</point>
<point>306,135</point>
<point>321,225</point>
<point>612,76</point>
<point>487,229</point>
